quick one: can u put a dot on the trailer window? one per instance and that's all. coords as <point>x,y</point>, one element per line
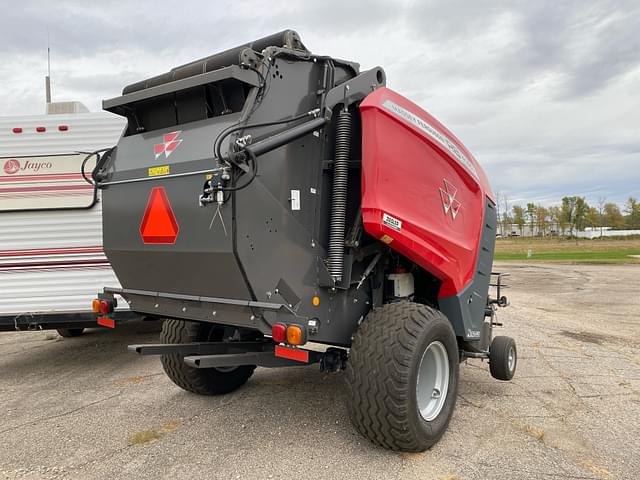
<point>44,183</point>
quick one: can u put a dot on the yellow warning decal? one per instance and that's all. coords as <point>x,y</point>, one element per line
<point>157,171</point>
<point>386,239</point>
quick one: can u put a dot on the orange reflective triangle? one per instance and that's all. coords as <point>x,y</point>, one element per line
<point>159,224</point>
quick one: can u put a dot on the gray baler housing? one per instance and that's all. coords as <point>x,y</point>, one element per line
<point>262,259</point>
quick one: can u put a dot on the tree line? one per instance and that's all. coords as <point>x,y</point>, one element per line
<point>573,214</point>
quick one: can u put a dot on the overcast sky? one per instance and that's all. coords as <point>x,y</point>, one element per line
<point>546,94</point>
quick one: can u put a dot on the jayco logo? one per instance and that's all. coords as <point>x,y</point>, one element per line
<point>13,166</point>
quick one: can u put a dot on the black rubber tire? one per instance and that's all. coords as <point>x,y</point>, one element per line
<point>70,332</point>
<point>499,358</point>
<point>204,381</point>
<point>382,373</point>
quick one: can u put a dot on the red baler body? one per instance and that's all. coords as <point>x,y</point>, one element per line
<point>412,169</point>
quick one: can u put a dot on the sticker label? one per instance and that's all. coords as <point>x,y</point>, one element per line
<point>157,171</point>
<point>433,133</point>
<point>473,333</point>
<point>295,199</point>
<point>391,222</point>
<point>386,239</point>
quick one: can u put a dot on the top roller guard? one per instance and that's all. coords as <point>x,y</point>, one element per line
<point>267,186</point>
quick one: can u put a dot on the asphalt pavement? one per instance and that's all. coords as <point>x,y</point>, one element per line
<point>84,407</point>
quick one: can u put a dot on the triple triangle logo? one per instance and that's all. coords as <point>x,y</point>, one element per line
<point>170,142</point>
<point>448,197</point>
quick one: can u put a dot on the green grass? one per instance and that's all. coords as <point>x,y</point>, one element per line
<point>568,251</point>
<point>569,256</point>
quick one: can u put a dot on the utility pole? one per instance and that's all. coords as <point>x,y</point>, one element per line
<point>47,79</point>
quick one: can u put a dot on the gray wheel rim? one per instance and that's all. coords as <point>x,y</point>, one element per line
<point>433,381</point>
<point>511,359</point>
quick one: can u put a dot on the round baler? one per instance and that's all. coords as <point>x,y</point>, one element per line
<point>279,208</point>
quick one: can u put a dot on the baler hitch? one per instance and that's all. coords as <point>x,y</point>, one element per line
<point>233,354</point>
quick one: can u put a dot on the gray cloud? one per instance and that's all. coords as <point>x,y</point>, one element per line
<point>543,93</point>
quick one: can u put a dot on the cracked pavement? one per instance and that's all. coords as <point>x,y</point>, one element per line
<point>73,406</point>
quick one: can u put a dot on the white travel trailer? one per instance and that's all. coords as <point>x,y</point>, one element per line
<point>51,258</point>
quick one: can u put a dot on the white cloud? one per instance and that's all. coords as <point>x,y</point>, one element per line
<point>543,93</point>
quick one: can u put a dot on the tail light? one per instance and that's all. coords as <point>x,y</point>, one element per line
<point>104,307</point>
<point>296,335</point>
<point>279,333</point>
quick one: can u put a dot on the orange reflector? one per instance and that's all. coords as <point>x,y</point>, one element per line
<point>95,305</point>
<point>292,353</point>
<point>107,322</point>
<point>159,224</point>
<point>295,335</point>
<point>315,300</point>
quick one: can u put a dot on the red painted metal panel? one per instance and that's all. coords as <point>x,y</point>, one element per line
<point>423,193</point>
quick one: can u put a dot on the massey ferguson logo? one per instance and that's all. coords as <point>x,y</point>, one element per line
<point>448,197</point>
<point>170,142</point>
<point>11,166</point>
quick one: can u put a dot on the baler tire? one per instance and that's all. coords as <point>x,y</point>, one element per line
<point>382,375</point>
<point>70,332</point>
<point>503,358</point>
<point>203,381</point>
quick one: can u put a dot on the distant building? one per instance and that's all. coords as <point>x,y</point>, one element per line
<point>595,232</point>
<point>553,229</point>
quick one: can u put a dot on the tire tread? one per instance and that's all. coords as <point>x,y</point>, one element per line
<point>379,369</point>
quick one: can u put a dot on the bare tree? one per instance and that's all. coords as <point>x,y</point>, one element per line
<point>601,203</point>
<point>519,217</point>
<point>506,218</point>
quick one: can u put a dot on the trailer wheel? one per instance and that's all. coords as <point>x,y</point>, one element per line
<point>70,332</point>
<point>402,376</point>
<point>204,381</point>
<point>503,358</point>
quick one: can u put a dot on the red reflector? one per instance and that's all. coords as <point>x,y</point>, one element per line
<point>17,130</point>
<point>40,129</point>
<point>159,224</point>
<point>279,332</point>
<point>63,128</point>
<point>292,353</point>
<point>107,322</point>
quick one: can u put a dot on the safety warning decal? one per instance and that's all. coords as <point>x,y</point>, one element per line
<point>386,239</point>
<point>158,171</point>
<point>391,222</point>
